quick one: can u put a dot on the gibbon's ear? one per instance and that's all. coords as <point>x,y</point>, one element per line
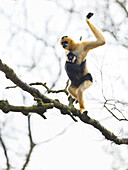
<point>90,14</point>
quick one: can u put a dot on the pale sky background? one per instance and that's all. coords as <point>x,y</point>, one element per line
<point>81,146</point>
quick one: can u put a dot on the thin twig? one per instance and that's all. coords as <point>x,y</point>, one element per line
<point>32,145</point>
<point>114,114</point>
<point>5,152</point>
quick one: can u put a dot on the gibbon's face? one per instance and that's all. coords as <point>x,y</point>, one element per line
<point>65,42</point>
<point>71,57</point>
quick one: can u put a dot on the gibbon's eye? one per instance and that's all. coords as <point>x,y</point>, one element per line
<point>65,44</point>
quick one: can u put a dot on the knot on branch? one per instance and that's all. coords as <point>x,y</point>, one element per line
<point>4,106</point>
<point>39,101</point>
<point>42,107</point>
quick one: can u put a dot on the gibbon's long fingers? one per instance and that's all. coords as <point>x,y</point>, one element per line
<point>73,91</point>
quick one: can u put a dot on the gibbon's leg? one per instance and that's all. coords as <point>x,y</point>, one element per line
<point>73,90</point>
<point>85,85</point>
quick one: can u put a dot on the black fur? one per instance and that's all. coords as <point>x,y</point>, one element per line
<point>86,77</point>
<point>90,14</point>
<point>73,70</point>
<point>64,37</point>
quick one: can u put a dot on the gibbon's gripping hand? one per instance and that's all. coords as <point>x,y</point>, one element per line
<point>82,66</point>
<point>90,14</point>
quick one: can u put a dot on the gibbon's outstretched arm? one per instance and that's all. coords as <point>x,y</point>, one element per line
<point>81,49</point>
<point>100,40</point>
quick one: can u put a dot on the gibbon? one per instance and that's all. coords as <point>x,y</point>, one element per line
<point>81,50</point>
<point>73,70</point>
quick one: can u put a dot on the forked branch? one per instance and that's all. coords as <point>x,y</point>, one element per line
<point>45,101</point>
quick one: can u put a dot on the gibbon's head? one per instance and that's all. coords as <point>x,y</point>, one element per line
<point>71,57</point>
<point>67,43</point>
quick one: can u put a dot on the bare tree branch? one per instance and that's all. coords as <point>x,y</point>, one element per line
<point>39,109</point>
<point>32,144</point>
<point>52,91</point>
<point>10,74</point>
<point>123,119</point>
<point>5,152</point>
<point>47,88</point>
<point>63,108</point>
<point>123,7</point>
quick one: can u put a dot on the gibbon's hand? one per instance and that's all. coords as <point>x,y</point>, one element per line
<point>90,14</point>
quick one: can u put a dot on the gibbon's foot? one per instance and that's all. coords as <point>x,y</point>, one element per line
<point>71,100</point>
<point>90,14</point>
<point>85,112</point>
<point>82,110</point>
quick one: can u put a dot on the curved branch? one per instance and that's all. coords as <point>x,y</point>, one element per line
<point>46,87</point>
<point>32,145</point>
<point>70,110</point>
<point>49,90</point>
<point>10,74</point>
<point>123,119</point>
<point>106,133</point>
<point>123,7</point>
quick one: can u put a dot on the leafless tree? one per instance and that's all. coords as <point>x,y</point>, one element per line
<point>30,50</point>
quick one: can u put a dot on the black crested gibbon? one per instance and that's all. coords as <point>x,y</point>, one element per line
<point>73,70</point>
<point>80,50</point>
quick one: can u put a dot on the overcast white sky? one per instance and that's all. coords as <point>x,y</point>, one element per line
<point>81,146</point>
